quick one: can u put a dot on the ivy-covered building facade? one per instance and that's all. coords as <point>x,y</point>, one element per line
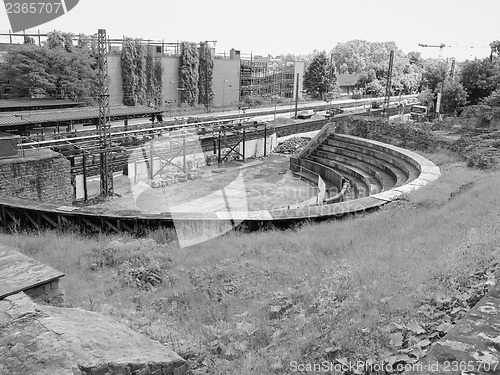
<point>192,74</point>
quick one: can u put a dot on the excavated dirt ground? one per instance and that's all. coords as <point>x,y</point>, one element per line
<point>264,184</point>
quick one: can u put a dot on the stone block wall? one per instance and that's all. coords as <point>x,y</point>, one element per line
<point>48,292</point>
<point>41,175</point>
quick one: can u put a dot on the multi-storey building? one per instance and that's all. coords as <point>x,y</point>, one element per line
<point>234,76</point>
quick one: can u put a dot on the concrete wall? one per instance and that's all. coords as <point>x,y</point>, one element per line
<point>49,292</point>
<point>299,67</point>
<point>225,84</point>
<point>115,79</point>
<point>228,92</point>
<point>42,175</point>
<point>170,81</point>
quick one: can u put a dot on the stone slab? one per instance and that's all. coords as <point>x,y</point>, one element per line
<point>19,272</point>
<point>47,340</point>
<point>472,346</point>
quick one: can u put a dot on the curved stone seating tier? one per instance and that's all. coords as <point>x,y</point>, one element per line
<point>388,174</point>
<point>379,168</point>
<point>377,149</point>
<point>387,179</point>
<point>369,183</point>
<point>378,173</point>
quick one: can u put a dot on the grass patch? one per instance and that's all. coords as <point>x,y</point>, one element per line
<point>356,288</point>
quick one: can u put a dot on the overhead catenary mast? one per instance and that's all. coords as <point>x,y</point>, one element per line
<point>106,169</point>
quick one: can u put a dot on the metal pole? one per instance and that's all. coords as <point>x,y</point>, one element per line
<point>220,146</point>
<point>244,143</point>
<point>389,80</point>
<point>73,177</point>
<point>206,76</point>
<point>223,94</point>
<point>297,95</point>
<point>184,154</point>
<point>265,138</point>
<point>151,160</point>
<point>85,192</point>
<point>106,174</point>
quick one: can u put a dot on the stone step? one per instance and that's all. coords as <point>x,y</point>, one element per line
<point>389,174</point>
<point>374,186</point>
<point>389,157</point>
<point>386,180</point>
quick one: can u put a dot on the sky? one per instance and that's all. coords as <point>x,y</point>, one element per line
<point>273,27</point>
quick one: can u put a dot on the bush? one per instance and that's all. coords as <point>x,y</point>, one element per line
<point>117,252</point>
<point>145,274</point>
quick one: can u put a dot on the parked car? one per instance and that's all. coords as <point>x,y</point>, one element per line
<point>306,113</point>
<point>333,112</point>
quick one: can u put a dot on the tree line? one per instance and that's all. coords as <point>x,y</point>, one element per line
<point>469,82</point>
<point>62,69</point>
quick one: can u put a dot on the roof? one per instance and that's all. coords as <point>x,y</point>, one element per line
<point>29,104</point>
<point>68,115</point>
<point>347,79</point>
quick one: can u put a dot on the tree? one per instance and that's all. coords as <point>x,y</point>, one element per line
<point>188,73</point>
<point>454,96</point>
<point>495,48</point>
<point>141,75</point>
<point>426,97</point>
<point>493,99</point>
<point>433,74</point>
<point>480,78</point>
<point>28,40</point>
<point>415,58</point>
<point>206,67</point>
<point>375,88</point>
<point>59,39</point>
<point>371,60</point>
<point>34,71</point>
<point>318,77</point>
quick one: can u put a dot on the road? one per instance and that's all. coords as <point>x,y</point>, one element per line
<point>248,113</point>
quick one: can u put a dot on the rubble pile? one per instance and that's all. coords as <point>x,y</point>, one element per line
<point>292,145</point>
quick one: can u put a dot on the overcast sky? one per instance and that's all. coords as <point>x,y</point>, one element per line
<point>291,26</point>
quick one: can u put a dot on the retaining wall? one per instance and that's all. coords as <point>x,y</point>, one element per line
<point>41,175</point>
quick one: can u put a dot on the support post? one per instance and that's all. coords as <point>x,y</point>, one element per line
<point>296,95</point>
<point>184,154</point>
<point>84,172</point>
<point>220,146</point>
<point>106,174</point>
<point>73,176</point>
<point>151,173</point>
<point>244,143</point>
<point>265,138</point>
<point>389,82</point>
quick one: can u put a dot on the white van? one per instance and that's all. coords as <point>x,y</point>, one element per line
<point>418,112</point>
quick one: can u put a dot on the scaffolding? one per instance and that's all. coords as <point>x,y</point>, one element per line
<point>261,79</point>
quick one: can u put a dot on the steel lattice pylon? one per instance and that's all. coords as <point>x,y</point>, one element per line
<point>389,82</point>
<point>106,169</point>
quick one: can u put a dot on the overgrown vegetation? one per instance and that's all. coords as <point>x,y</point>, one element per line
<point>378,287</point>
<point>57,69</point>
<point>141,75</point>
<point>189,73</point>
<point>206,68</point>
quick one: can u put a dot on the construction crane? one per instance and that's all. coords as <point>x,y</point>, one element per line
<point>442,45</point>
